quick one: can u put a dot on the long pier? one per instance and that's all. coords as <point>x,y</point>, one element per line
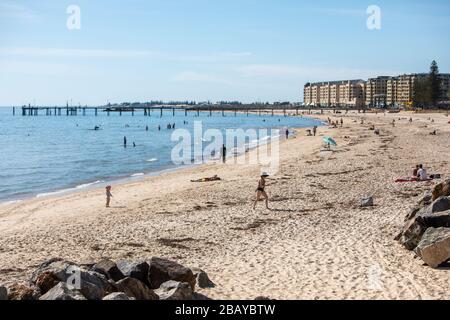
<point>159,110</point>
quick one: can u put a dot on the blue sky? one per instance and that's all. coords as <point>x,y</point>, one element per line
<point>248,50</point>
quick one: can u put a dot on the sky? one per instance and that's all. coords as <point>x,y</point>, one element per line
<point>247,50</point>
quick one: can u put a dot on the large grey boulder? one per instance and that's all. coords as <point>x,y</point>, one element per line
<point>137,289</point>
<point>93,285</point>
<point>62,291</point>
<point>202,279</point>
<point>55,266</point>
<point>109,269</point>
<point>3,293</point>
<point>439,205</point>
<point>412,233</point>
<point>117,296</point>
<point>174,290</point>
<point>434,248</point>
<point>162,270</point>
<point>134,269</point>
<point>414,229</point>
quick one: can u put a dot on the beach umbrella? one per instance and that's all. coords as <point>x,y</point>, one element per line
<point>330,141</point>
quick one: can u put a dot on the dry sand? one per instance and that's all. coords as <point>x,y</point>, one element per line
<point>316,243</point>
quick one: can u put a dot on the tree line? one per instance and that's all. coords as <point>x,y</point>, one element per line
<point>427,90</point>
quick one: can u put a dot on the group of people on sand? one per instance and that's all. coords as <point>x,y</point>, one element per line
<point>336,123</point>
<point>420,173</point>
<point>261,193</point>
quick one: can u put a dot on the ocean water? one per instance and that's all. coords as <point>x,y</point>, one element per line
<point>42,155</point>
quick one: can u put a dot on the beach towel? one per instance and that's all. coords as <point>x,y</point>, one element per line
<point>412,180</point>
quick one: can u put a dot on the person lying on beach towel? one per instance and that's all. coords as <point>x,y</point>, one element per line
<point>215,178</point>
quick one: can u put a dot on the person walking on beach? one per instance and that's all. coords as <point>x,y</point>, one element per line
<point>124,142</point>
<point>261,191</point>
<point>224,153</point>
<point>108,195</point>
<point>287,133</point>
<point>342,122</point>
<point>314,130</point>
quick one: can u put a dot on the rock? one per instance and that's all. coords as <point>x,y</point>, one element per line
<point>202,279</point>
<point>415,228</point>
<point>109,269</point>
<point>3,293</point>
<point>137,289</point>
<point>174,290</point>
<point>200,297</point>
<point>414,211</point>
<point>441,190</point>
<point>162,270</point>
<point>439,205</point>
<point>137,270</point>
<point>62,292</point>
<point>22,292</point>
<point>367,202</point>
<point>426,199</point>
<point>56,266</point>
<point>93,285</point>
<point>46,280</point>
<point>438,219</point>
<point>434,248</point>
<point>412,233</point>
<point>117,296</point>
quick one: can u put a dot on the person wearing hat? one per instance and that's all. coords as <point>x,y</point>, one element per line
<point>260,191</point>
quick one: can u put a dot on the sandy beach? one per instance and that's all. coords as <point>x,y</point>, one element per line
<point>315,243</point>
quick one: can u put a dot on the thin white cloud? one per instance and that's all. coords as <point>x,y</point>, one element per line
<point>41,68</point>
<point>312,73</point>
<point>212,57</point>
<point>113,53</point>
<point>342,11</point>
<point>14,11</point>
<point>75,53</point>
<point>189,76</point>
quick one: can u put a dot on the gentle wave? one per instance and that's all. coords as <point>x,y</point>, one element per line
<point>137,174</point>
<point>152,160</point>
<point>9,202</point>
<point>81,186</point>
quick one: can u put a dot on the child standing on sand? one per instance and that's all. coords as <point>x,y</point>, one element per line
<point>108,195</point>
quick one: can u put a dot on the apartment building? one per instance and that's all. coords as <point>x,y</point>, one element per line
<point>348,93</point>
<point>376,92</point>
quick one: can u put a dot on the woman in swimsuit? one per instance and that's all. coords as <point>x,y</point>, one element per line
<point>260,191</point>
